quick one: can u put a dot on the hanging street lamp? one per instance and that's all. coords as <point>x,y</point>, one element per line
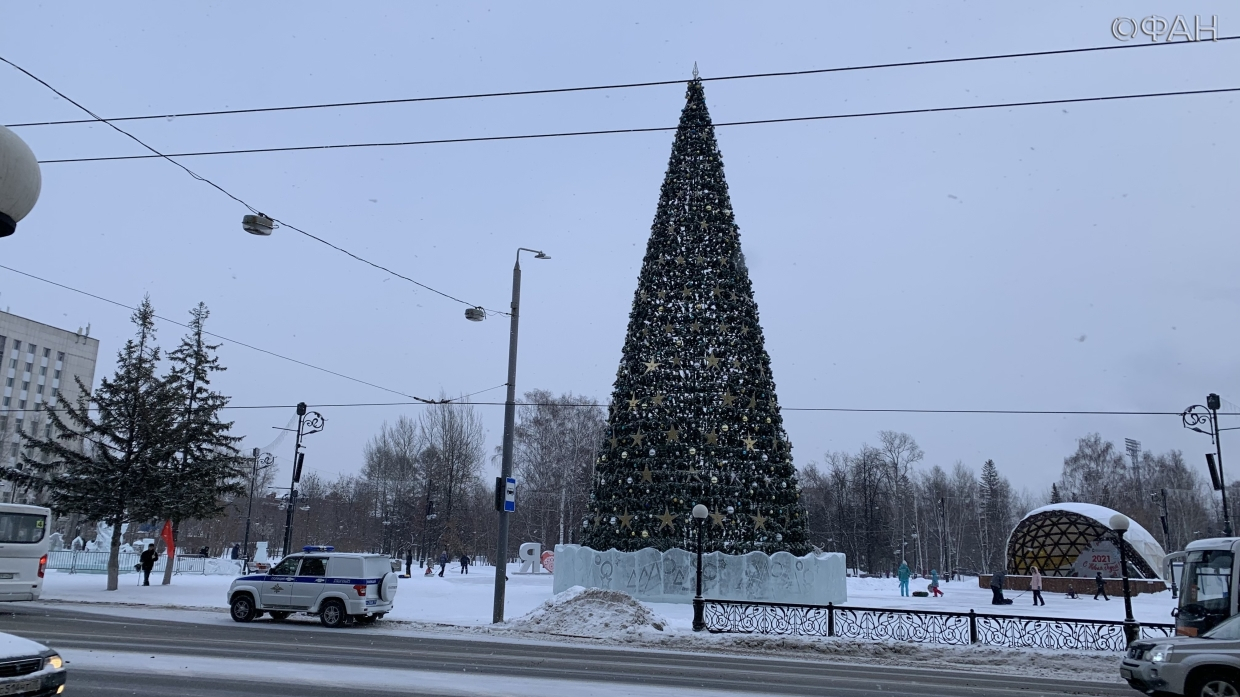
<point>20,181</point>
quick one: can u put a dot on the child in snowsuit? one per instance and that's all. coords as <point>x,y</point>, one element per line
<point>934,584</point>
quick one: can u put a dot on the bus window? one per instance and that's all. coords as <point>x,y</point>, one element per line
<point>21,528</point>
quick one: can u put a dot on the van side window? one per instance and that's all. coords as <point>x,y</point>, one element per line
<point>313,566</point>
<point>344,567</point>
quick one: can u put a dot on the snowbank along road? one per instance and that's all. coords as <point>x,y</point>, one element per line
<point>111,655</point>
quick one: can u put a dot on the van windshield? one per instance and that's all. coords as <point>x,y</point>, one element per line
<point>21,528</point>
<point>1207,581</point>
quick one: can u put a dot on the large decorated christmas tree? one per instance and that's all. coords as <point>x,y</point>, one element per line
<point>694,417</point>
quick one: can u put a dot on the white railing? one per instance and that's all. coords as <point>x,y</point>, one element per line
<point>97,562</point>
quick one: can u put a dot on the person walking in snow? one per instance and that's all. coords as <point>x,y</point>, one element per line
<point>1100,587</point>
<point>443,562</point>
<point>409,563</point>
<point>904,575</point>
<point>464,564</point>
<point>934,584</point>
<point>147,562</point>
<point>1035,585</point>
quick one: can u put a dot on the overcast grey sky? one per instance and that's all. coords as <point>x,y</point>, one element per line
<point>1059,258</point>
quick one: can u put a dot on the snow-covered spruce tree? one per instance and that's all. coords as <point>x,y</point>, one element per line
<point>127,439</point>
<point>206,467</point>
<point>694,417</point>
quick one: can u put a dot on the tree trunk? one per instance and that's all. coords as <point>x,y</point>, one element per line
<point>168,564</point>
<point>114,557</point>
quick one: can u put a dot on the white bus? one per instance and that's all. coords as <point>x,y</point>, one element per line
<point>24,543</point>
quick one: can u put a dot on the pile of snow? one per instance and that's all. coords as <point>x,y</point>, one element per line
<point>590,612</point>
<point>222,567</point>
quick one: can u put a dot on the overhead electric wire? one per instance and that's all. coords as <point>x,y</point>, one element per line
<point>616,86</point>
<point>224,338</point>
<point>849,410</point>
<point>652,129</point>
<point>844,410</point>
<point>217,187</point>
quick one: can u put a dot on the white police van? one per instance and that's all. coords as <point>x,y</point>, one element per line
<point>338,587</point>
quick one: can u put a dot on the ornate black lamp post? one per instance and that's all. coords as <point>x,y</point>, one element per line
<point>1119,524</point>
<point>1193,419</point>
<point>699,604</point>
<point>261,462</point>
<point>307,423</point>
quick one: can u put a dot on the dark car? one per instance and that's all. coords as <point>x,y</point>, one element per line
<point>29,669</point>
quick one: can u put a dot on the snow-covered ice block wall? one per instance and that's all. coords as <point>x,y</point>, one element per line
<point>668,577</point>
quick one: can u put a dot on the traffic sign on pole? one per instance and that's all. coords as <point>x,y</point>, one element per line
<point>510,495</point>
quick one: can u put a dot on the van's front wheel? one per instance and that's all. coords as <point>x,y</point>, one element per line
<point>242,608</point>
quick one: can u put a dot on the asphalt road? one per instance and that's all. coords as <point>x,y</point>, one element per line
<point>290,646</point>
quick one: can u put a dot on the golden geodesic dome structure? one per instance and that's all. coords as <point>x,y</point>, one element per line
<point>1053,538</point>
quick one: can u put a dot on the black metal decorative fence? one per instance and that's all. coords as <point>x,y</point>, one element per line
<point>928,626</point>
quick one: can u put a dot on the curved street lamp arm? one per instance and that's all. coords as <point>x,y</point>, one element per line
<point>1195,416</point>
<point>315,422</point>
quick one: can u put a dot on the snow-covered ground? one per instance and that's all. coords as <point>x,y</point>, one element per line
<point>461,604</point>
<point>455,599</point>
<point>962,596</point>
<point>466,600</point>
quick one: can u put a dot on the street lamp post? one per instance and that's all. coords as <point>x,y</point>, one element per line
<point>1161,498</point>
<point>307,423</point>
<point>699,604</point>
<point>261,461</point>
<point>1119,524</point>
<point>20,181</point>
<point>477,314</point>
<point>1193,418</point>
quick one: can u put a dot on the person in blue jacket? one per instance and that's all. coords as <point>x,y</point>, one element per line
<point>904,575</point>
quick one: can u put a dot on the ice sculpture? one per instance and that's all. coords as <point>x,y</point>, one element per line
<point>670,577</point>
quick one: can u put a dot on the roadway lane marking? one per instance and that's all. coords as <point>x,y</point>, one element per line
<point>345,677</point>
